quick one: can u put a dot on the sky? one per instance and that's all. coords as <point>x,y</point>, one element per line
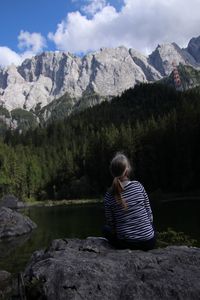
<point>29,27</point>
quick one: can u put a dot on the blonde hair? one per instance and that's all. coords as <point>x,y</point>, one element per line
<point>119,167</point>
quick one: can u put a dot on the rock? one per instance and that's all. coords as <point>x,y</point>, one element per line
<point>13,223</point>
<point>194,48</point>
<point>113,71</point>
<point>11,286</point>
<point>108,72</point>
<point>91,269</point>
<point>166,55</point>
<point>5,285</point>
<point>142,61</point>
<point>11,201</point>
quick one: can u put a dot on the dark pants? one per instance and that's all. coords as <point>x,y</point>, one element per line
<point>127,244</point>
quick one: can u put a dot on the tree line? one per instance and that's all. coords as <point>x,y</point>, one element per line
<point>156,126</point>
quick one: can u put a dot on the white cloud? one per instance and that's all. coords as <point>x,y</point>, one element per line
<point>7,56</point>
<point>93,6</point>
<point>139,24</point>
<point>29,43</point>
<point>33,42</point>
<point>79,34</point>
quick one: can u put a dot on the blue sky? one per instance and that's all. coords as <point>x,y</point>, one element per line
<point>28,27</point>
<point>35,16</point>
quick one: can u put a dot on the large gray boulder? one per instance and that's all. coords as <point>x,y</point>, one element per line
<point>91,269</point>
<point>5,285</point>
<point>13,223</point>
<point>11,201</point>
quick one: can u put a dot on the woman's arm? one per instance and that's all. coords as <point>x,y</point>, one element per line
<point>147,204</point>
<point>108,212</point>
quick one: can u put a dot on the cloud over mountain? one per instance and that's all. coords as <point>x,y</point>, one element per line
<point>7,56</point>
<point>29,43</point>
<point>139,24</point>
<point>32,42</point>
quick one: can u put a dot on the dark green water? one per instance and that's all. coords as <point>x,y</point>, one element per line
<point>81,221</point>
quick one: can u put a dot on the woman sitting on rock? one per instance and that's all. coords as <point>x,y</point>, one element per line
<point>127,210</point>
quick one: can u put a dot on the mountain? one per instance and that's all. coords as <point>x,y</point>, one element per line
<point>194,48</point>
<point>166,55</point>
<point>190,77</point>
<point>51,74</point>
<point>39,84</point>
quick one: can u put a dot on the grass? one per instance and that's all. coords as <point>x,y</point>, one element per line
<point>61,202</point>
<point>172,238</point>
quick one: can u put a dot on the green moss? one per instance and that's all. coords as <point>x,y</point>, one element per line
<point>171,237</point>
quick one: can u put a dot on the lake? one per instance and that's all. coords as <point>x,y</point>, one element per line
<point>81,221</point>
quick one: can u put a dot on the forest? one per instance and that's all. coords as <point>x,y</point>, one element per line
<point>155,125</point>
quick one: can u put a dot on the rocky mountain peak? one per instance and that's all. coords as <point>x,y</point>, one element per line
<point>194,48</point>
<point>107,72</point>
<point>142,61</point>
<point>166,55</point>
<point>113,71</point>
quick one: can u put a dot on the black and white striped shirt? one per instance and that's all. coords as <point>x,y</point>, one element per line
<point>135,222</point>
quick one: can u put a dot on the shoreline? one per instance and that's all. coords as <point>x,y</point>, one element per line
<point>155,199</point>
<point>49,203</point>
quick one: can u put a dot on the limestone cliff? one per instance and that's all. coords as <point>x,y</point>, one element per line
<point>108,72</point>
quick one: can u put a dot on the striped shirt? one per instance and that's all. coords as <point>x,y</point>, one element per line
<point>135,222</point>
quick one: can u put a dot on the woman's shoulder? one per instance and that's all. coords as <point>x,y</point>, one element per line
<point>135,186</point>
<point>135,183</point>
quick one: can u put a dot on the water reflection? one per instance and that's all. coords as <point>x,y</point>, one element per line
<point>80,221</point>
<point>9,245</point>
<point>179,215</point>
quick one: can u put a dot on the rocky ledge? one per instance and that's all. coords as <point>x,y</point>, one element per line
<point>91,269</point>
<point>5,285</point>
<point>13,223</point>
<point>11,201</point>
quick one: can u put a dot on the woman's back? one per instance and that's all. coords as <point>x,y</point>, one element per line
<point>134,222</point>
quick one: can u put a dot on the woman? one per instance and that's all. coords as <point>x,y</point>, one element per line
<point>127,210</point>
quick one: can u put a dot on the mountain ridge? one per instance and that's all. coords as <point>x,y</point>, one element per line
<point>38,82</point>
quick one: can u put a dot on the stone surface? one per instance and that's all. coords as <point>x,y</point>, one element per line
<point>5,285</point>
<point>194,48</point>
<point>11,201</point>
<point>91,269</point>
<point>142,61</point>
<point>107,72</point>
<point>13,223</point>
<point>166,55</point>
